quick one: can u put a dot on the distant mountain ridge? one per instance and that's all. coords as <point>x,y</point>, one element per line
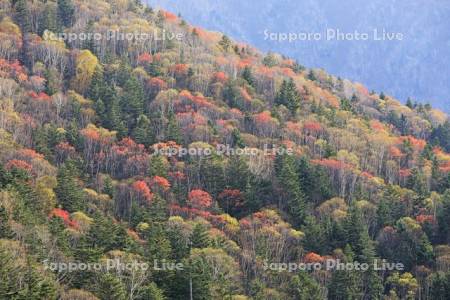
<point>416,67</point>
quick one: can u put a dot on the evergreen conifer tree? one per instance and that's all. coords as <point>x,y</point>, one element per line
<point>289,180</point>
<point>199,237</point>
<point>66,12</point>
<point>288,96</point>
<point>68,191</point>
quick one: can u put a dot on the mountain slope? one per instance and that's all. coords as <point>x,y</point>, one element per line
<point>416,67</point>
<point>175,163</point>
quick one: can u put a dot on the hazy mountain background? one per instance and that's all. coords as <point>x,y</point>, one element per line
<point>416,67</point>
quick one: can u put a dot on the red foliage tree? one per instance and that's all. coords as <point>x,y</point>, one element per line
<point>64,215</point>
<point>161,182</point>
<point>377,125</point>
<point>245,223</point>
<point>90,134</point>
<point>13,69</point>
<point>417,144</point>
<point>180,70</point>
<point>231,200</point>
<point>142,190</point>
<point>244,63</point>
<point>64,151</point>
<point>405,173</point>
<point>312,257</point>
<point>177,175</point>
<point>157,83</point>
<point>287,72</point>
<point>145,58</point>
<point>366,175</point>
<point>425,219</point>
<point>263,117</point>
<point>41,96</point>
<point>220,77</point>
<point>199,199</point>
<point>19,164</point>
<point>312,127</point>
<point>28,154</point>
<point>395,152</point>
<point>265,124</point>
<point>170,17</point>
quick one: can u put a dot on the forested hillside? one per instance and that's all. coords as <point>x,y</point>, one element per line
<point>415,66</point>
<point>207,161</point>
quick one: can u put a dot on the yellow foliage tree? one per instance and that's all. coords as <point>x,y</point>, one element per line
<point>46,195</point>
<point>86,62</point>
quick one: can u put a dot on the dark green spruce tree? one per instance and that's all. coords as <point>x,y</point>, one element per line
<point>65,12</point>
<point>199,237</point>
<point>288,96</point>
<point>48,19</point>
<point>304,287</point>
<point>113,113</point>
<point>294,198</point>
<point>68,191</point>
<point>345,284</point>
<point>248,76</point>
<point>173,130</point>
<point>109,286</point>
<point>315,237</point>
<point>440,286</point>
<point>97,86</point>
<point>132,101</point>
<point>5,228</point>
<point>22,15</point>
<point>363,251</point>
<point>143,133</point>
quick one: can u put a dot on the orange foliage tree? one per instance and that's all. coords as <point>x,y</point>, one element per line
<point>199,199</point>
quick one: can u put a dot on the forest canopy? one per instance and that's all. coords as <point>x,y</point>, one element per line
<point>84,181</point>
